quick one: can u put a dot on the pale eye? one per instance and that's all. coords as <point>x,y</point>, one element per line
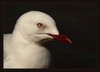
<point>40,25</point>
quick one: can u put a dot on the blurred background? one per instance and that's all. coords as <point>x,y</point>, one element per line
<point>76,20</point>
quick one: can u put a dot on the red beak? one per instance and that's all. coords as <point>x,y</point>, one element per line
<point>62,38</point>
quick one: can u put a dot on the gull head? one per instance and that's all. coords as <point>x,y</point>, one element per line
<point>39,27</point>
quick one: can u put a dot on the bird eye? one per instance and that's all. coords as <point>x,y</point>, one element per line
<point>40,25</point>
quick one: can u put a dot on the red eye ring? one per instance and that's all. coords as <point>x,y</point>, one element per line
<point>40,25</point>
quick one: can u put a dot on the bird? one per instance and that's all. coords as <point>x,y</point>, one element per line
<point>23,48</point>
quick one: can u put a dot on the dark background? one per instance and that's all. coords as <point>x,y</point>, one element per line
<point>76,20</point>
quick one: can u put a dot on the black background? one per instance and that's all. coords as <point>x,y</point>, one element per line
<point>75,19</point>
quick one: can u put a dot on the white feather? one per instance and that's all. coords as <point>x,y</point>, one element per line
<point>22,48</point>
